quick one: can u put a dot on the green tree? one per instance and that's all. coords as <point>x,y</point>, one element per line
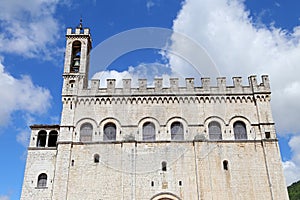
<point>294,191</point>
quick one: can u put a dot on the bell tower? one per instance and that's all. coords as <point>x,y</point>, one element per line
<point>77,57</point>
<point>75,76</point>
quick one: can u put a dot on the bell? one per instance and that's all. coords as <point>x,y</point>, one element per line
<point>76,64</point>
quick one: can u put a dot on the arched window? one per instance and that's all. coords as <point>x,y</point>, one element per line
<point>41,140</point>
<point>110,132</point>
<point>96,158</point>
<point>52,139</point>
<point>76,51</point>
<point>239,129</point>
<point>164,166</point>
<point>177,131</point>
<point>42,181</point>
<point>214,130</point>
<point>148,131</point>
<point>86,132</point>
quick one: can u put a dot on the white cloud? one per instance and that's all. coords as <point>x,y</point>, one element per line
<point>291,172</point>
<point>292,167</point>
<point>20,94</point>
<point>147,71</point>
<point>28,27</point>
<point>240,46</point>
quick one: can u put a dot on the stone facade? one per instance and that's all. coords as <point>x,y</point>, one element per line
<point>178,143</point>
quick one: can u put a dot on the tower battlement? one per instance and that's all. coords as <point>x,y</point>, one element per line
<point>78,31</point>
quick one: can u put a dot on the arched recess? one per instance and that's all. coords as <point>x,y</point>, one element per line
<point>240,131</point>
<point>109,132</point>
<point>110,129</point>
<point>214,131</point>
<point>80,124</point>
<point>149,131</point>
<point>177,131</point>
<point>76,54</point>
<point>41,139</point>
<point>215,127</point>
<point>148,124</point>
<point>165,196</point>
<point>52,139</point>
<point>177,127</point>
<point>240,128</point>
<point>86,132</point>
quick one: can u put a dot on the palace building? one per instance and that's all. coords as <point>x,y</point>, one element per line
<point>215,141</point>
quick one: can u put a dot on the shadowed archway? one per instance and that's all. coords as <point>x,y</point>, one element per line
<point>165,196</point>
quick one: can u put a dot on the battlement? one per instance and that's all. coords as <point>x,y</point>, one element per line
<point>77,31</point>
<point>206,86</point>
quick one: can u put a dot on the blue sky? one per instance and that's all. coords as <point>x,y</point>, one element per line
<point>264,38</point>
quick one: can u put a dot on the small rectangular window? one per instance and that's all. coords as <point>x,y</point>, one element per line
<point>268,135</point>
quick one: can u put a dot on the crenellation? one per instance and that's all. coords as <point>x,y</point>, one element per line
<point>158,83</point>
<point>95,83</point>
<point>221,83</point>
<point>265,82</point>
<point>126,85</point>
<point>205,81</point>
<point>77,31</point>
<point>237,82</point>
<point>69,31</point>
<point>174,82</point>
<point>206,87</point>
<point>189,84</point>
<point>86,31</point>
<point>142,85</point>
<point>111,85</point>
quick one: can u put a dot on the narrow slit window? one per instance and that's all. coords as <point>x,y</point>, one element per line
<point>96,158</point>
<point>225,165</point>
<point>180,183</point>
<point>164,166</point>
<point>268,135</point>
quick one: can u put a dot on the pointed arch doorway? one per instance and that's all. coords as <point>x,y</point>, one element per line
<point>165,196</point>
